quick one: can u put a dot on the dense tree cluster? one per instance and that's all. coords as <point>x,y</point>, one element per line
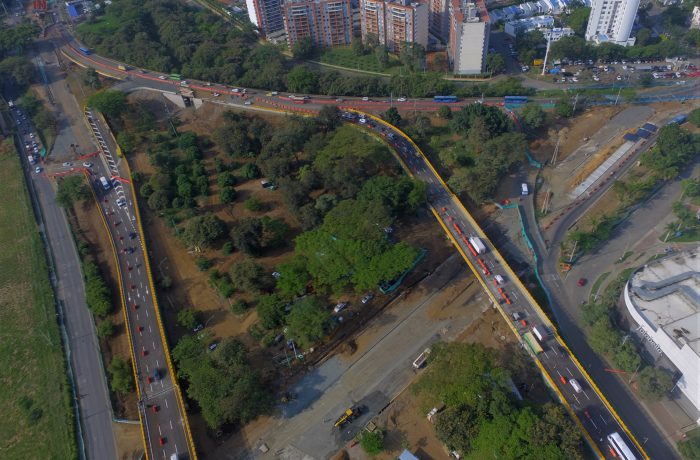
<point>675,148</point>
<point>482,418</point>
<point>607,339</point>
<point>97,294</point>
<point>71,190</point>
<point>224,384</point>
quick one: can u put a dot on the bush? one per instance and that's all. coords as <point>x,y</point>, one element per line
<point>253,204</point>
<point>227,248</point>
<point>372,442</point>
<point>188,318</point>
<point>120,372</point>
<point>106,329</point>
<point>222,283</point>
<point>690,449</point>
<point>97,294</point>
<point>203,264</point>
<point>654,383</point>
<point>70,190</point>
<point>239,307</point>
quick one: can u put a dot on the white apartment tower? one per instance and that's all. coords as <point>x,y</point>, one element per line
<point>611,21</point>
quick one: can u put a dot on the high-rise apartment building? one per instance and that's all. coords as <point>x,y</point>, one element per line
<point>469,37</point>
<point>439,19</point>
<point>266,15</point>
<point>325,22</point>
<point>372,20</point>
<point>611,21</point>
<point>394,23</point>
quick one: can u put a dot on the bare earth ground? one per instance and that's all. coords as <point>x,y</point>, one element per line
<point>94,233</point>
<point>129,441</point>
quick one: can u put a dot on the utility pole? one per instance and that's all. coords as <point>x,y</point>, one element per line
<point>573,250</point>
<point>556,152</point>
<point>546,54</point>
<point>576,102</point>
<point>618,95</point>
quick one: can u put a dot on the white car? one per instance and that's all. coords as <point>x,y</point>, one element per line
<point>162,77</point>
<point>216,94</point>
<point>340,307</point>
<point>236,90</point>
<point>87,164</point>
<point>363,120</point>
<point>32,135</point>
<point>37,169</point>
<point>247,103</point>
<point>121,202</point>
<point>401,99</point>
<point>369,296</point>
<point>67,164</point>
<point>365,99</point>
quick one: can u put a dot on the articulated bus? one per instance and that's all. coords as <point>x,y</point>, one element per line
<point>299,99</point>
<point>445,99</point>
<point>175,76</point>
<point>618,447</point>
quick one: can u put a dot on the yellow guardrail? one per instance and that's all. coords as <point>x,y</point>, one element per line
<point>124,312</point>
<point>541,313</point>
<point>173,374</point>
<point>171,368</point>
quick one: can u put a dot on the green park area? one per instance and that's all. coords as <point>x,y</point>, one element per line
<point>37,419</point>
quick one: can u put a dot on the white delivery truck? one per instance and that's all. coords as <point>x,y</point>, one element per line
<point>540,333</point>
<point>105,184</point>
<point>478,245</point>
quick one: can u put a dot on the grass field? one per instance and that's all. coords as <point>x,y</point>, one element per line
<point>37,418</point>
<point>344,57</point>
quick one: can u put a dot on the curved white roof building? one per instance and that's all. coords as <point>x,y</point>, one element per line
<point>663,297</point>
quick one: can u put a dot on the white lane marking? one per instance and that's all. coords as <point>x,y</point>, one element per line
<point>137,316</point>
<point>154,345</point>
<point>559,373</point>
<point>159,431</point>
<point>166,402</point>
<point>603,419</point>
<point>584,392</point>
<point>567,370</point>
<point>157,363</point>
<point>149,329</point>
<point>146,313</point>
<point>171,424</point>
<point>594,425</point>
<point>545,353</point>
<point>577,401</point>
<point>147,368</point>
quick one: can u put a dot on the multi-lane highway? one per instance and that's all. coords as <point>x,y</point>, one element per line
<point>164,420</point>
<point>90,385</point>
<point>563,372</point>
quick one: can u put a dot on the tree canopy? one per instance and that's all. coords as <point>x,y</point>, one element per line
<point>226,387</point>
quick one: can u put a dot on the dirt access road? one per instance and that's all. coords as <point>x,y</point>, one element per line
<point>440,308</point>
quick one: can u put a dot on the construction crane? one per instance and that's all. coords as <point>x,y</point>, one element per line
<point>348,416</point>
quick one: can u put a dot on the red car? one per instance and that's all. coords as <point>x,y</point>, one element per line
<point>563,379</point>
<point>582,281</point>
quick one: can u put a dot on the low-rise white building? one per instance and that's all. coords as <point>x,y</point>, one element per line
<point>663,298</point>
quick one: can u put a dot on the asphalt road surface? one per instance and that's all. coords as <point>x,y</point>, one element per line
<point>164,423</point>
<point>597,420</point>
<point>90,385</point>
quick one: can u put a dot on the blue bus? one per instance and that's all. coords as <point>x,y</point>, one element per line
<point>445,99</point>
<point>515,99</point>
<point>84,50</point>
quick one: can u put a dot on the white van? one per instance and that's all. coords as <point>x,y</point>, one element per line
<point>104,182</point>
<point>499,279</point>
<point>524,189</point>
<point>32,160</point>
<point>576,385</point>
